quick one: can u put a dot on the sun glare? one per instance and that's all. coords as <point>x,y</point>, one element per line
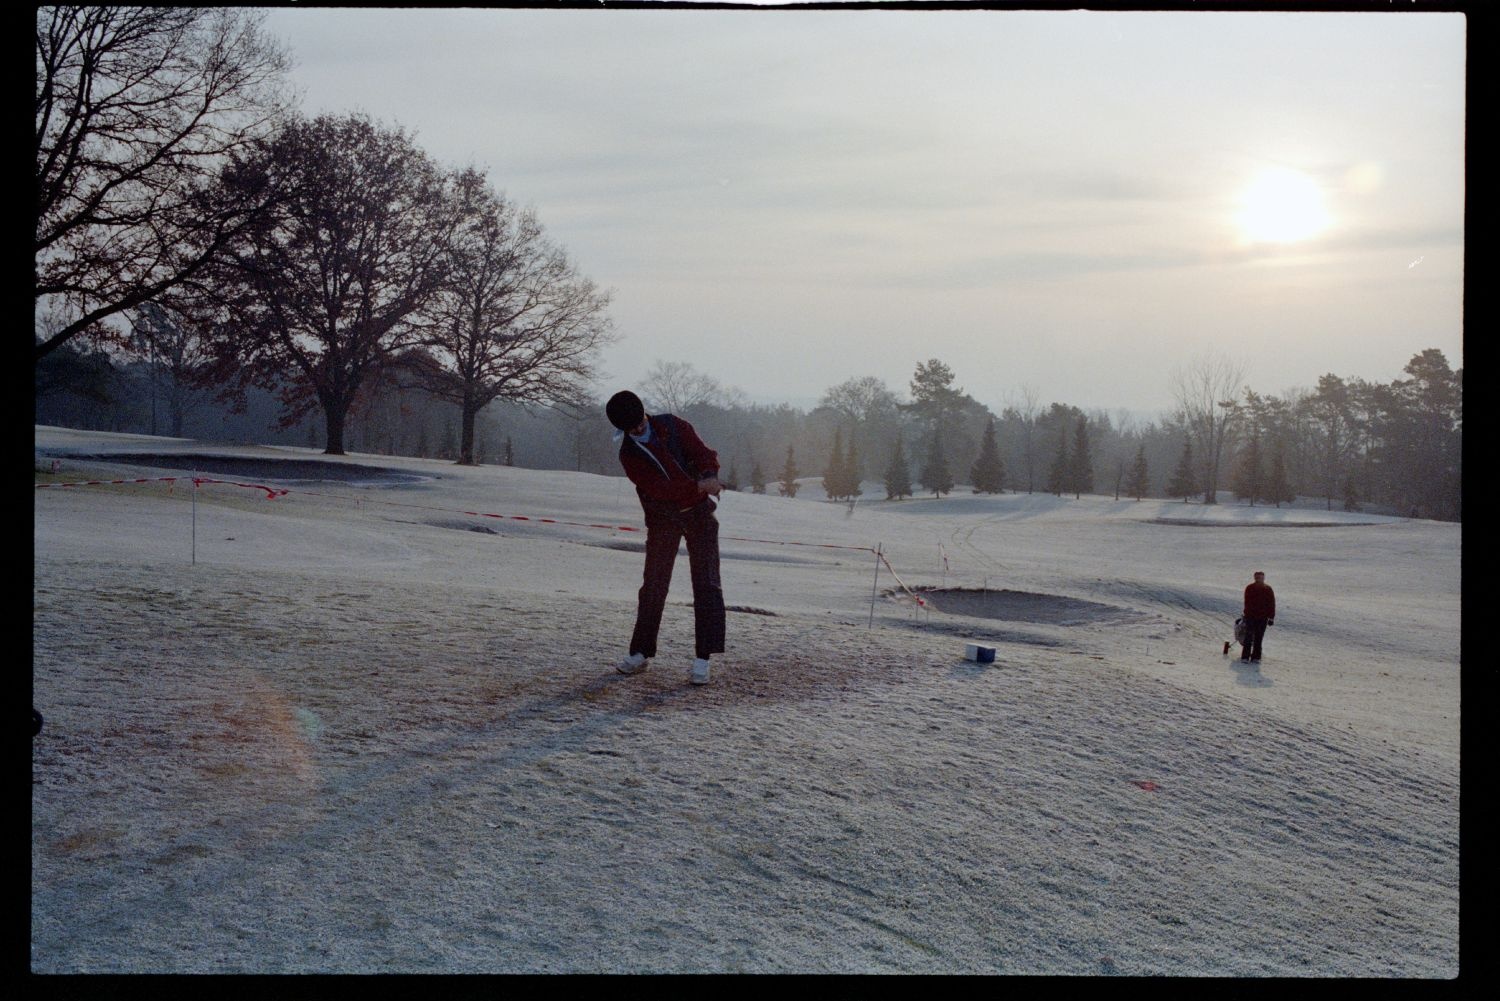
<point>1282,206</point>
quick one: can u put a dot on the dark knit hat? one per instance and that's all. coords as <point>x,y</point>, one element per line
<point>625,410</point>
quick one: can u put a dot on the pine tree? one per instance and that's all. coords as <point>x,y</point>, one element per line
<point>897,475</point>
<point>1059,476</point>
<point>1278,490</point>
<point>935,474</point>
<point>1351,494</point>
<point>733,480</point>
<point>834,477</point>
<point>510,452</point>
<point>988,472</point>
<point>789,473</point>
<point>1081,467</point>
<point>1185,480</point>
<point>1249,479</point>
<point>851,471</point>
<point>757,478</point>
<point>1140,483</point>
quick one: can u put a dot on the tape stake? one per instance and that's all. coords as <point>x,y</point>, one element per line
<point>920,601</point>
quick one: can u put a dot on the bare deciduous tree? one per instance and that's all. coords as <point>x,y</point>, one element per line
<point>674,386</point>
<point>862,400</point>
<point>1122,436</point>
<point>871,411</point>
<point>1207,391</point>
<point>515,320</point>
<point>1026,407</point>
<point>323,291</point>
<point>178,356</point>
<point>137,110</point>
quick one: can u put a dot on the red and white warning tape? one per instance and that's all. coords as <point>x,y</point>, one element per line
<point>271,492</point>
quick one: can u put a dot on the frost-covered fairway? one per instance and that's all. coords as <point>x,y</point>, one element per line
<point>358,735</point>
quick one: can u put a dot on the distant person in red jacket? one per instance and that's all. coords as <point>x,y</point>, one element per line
<point>676,477</point>
<point>1260,612</point>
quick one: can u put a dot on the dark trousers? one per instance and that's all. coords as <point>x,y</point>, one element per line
<point>1255,630</point>
<point>663,533</point>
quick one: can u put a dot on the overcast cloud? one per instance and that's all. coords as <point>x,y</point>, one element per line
<point>788,199</point>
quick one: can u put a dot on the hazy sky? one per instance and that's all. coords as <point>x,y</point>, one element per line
<point>1072,201</point>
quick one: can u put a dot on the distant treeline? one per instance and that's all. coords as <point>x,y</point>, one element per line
<point>1390,447</point>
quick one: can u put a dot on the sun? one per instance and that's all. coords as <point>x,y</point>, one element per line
<point>1282,206</point>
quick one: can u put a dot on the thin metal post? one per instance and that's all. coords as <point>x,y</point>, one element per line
<point>153,381</point>
<point>195,519</point>
<point>873,584</point>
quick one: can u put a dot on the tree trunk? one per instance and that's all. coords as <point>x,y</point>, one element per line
<point>336,415</point>
<point>466,432</point>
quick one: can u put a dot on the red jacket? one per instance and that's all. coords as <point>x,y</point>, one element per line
<point>1260,602</point>
<point>657,476</point>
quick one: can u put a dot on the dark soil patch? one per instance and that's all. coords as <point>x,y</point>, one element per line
<point>260,469</point>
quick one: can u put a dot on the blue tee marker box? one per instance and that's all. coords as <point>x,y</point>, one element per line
<point>979,654</point>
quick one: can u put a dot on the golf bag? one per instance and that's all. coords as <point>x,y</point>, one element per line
<point>1239,634</point>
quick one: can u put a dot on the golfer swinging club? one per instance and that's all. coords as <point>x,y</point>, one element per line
<point>676,477</point>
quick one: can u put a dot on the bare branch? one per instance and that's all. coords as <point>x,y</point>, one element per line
<point>674,386</point>
<point>514,320</point>
<point>1207,391</point>
<point>137,110</point>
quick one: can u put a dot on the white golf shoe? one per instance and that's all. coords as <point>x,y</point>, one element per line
<point>634,664</point>
<point>700,672</point>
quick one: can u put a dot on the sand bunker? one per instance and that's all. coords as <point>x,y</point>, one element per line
<point>1025,606</point>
